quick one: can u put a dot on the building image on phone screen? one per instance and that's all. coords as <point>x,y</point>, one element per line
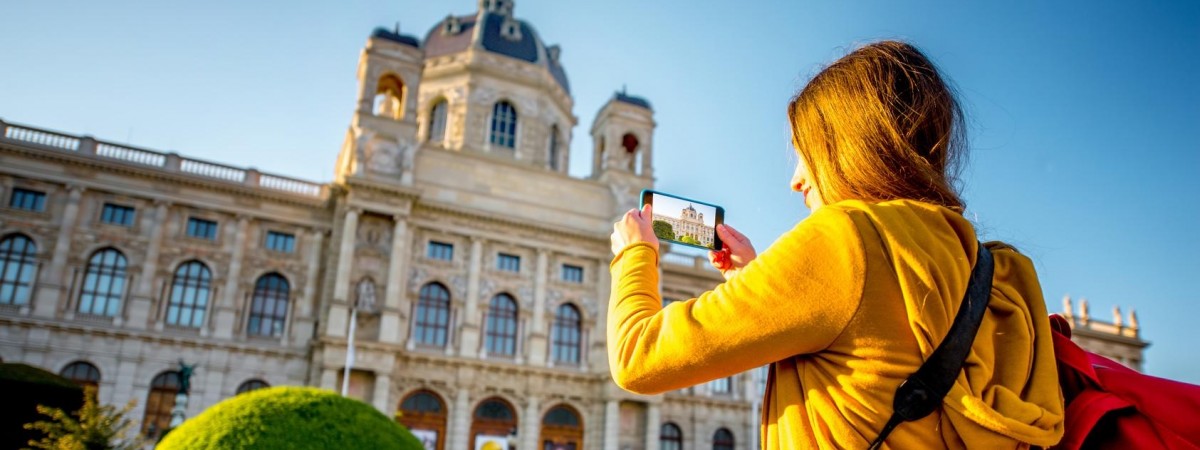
<point>691,226</point>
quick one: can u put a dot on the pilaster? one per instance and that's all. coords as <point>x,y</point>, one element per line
<point>460,421</point>
<point>338,308</point>
<point>392,326</point>
<point>469,342</point>
<point>53,283</point>
<point>302,328</point>
<point>531,422</point>
<point>653,424</point>
<point>612,425</point>
<point>141,303</point>
<point>537,335</point>
<point>226,311</point>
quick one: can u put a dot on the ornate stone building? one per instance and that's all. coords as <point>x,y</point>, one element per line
<point>474,266</point>
<point>690,223</point>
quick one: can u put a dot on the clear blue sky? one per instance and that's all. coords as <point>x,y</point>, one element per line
<point>1084,115</point>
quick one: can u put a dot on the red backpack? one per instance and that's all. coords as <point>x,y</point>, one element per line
<point>1110,406</point>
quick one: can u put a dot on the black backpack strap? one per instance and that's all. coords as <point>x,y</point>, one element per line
<point>923,391</point>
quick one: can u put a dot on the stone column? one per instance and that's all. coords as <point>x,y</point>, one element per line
<point>599,355</point>
<point>302,328</point>
<point>392,325</point>
<point>469,343</point>
<point>141,310</point>
<point>612,425</point>
<point>53,283</point>
<point>339,311</point>
<point>460,426</point>
<point>226,311</point>
<point>383,391</point>
<point>537,334</point>
<point>531,423</point>
<point>653,424</point>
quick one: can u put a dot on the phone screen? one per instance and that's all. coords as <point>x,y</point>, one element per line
<point>685,221</point>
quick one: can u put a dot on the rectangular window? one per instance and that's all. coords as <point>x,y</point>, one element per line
<point>573,274</point>
<point>508,263</point>
<point>202,229</point>
<point>117,215</point>
<point>281,242</point>
<point>440,250</point>
<point>28,200</point>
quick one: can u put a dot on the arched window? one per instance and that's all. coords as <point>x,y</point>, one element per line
<point>437,121</point>
<point>433,315</point>
<point>252,385</point>
<point>103,284</point>
<point>670,437</point>
<point>502,326</point>
<point>494,420</point>
<point>389,95</point>
<point>567,334</point>
<point>83,373</point>
<point>424,414</point>
<point>562,428</point>
<point>630,143</point>
<point>504,125</point>
<point>17,269</point>
<point>189,295</point>
<point>554,157</point>
<point>723,439</point>
<point>268,309</point>
<point>159,403</point>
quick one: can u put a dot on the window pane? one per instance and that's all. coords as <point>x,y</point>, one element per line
<point>268,309</point>
<point>572,273</point>
<point>280,242</point>
<point>104,283</point>
<point>437,122</point>
<point>433,315</point>
<point>27,199</point>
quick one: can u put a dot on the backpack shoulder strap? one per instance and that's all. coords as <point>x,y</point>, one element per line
<point>923,391</point>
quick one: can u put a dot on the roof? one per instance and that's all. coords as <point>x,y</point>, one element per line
<point>632,100</point>
<point>529,47</point>
<point>396,37</point>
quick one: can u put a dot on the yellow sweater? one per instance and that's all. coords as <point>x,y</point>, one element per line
<point>847,305</point>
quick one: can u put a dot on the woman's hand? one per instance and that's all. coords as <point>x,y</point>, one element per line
<point>636,226</point>
<point>736,252</point>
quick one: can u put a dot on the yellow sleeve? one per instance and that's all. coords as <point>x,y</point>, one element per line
<point>795,298</point>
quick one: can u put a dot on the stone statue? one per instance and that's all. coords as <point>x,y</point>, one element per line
<point>185,377</point>
<point>366,296</point>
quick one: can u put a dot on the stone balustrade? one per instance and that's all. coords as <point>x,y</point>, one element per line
<point>167,162</point>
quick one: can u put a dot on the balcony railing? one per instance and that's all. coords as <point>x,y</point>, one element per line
<point>167,162</point>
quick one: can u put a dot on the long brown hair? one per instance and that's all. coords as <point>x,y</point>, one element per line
<point>881,124</point>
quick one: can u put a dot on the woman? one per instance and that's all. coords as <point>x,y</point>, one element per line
<point>852,300</point>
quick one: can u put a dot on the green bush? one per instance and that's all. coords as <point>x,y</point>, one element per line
<point>290,418</point>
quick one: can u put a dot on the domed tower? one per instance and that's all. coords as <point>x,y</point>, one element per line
<point>491,86</point>
<point>381,142</point>
<point>623,133</point>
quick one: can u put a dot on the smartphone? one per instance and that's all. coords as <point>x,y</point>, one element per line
<point>681,220</point>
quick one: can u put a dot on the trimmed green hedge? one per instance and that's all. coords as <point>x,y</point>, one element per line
<point>290,418</point>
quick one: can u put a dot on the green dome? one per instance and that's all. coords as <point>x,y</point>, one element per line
<point>290,418</point>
